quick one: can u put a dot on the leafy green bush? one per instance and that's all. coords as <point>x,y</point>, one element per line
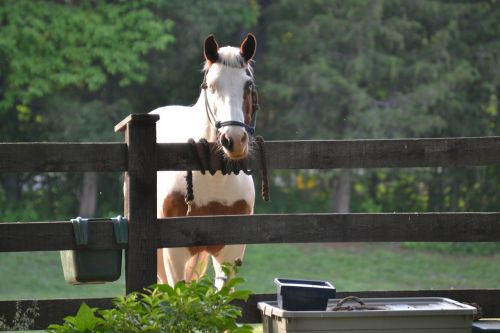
<point>187,307</point>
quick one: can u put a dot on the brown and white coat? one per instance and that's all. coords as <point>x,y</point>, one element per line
<point>227,73</point>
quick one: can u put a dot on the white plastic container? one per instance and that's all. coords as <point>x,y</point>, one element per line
<point>394,315</point>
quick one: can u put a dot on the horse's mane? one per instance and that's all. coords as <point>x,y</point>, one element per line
<point>231,57</point>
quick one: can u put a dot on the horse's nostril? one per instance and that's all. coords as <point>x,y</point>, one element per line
<point>227,142</point>
<point>244,138</point>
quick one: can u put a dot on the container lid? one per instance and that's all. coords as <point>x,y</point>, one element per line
<point>305,288</point>
<point>486,325</point>
<point>389,307</point>
<point>303,283</point>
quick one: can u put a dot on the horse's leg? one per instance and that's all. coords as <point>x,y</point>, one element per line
<point>174,261</point>
<point>229,254</point>
<point>170,261</point>
<point>196,266</point>
<point>160,268</point>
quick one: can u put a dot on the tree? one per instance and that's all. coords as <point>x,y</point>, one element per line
<point>379,69</point>
<point>75,48</point>
<point>70,70</point>
<point>75,53</point>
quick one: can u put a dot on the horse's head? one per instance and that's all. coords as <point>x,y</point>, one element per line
<point>229,95</point>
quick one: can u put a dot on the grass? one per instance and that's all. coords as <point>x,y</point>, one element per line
<point>349,267</point>
<point>368,267</point>
<point>32,275</point>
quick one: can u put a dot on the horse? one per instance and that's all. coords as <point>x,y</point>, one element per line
<point>222,114</point>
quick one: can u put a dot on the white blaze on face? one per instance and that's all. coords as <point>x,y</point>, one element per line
<point>225,95</point>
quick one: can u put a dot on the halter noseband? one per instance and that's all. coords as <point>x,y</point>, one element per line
<point>217,124</point>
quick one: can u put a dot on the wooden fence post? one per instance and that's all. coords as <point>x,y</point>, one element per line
<point>140,200</point>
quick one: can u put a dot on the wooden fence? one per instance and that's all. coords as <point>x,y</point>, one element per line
<point>140,156</point>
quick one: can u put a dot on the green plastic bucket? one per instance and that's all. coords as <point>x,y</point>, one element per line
<point>85,266</point>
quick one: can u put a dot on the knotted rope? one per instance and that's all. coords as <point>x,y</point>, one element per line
<point>205,159</point>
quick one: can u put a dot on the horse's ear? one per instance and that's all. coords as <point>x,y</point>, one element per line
<point>211,49</point>
<point>247,48</point>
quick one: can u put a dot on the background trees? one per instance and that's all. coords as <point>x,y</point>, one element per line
<point>385,69</point>
<point>69,70</point>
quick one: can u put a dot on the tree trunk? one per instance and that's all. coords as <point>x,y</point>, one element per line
<point>11,184</point>
<point>88,196</point>
<point>341,192</point>
<point>436,191</point>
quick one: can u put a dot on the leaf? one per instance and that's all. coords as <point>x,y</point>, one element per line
<point>234,282</point>
<point>85,320</point>
<point>243,329</point>
<point>240,295</point>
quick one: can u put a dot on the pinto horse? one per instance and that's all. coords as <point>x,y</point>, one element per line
<point>222,114</point>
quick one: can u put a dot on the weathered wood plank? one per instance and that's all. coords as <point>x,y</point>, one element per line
<point>62,157</point>
<point>477,227</point>
<point>304,228</point>
<point>327,154</point>
<point>145,118</point>
<point>261,229</point>
<point>53,311</point>
<point>80,157</point>
<point>53,236</point>
<point>140,204</point>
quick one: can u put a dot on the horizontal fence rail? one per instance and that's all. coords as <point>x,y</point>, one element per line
<point>62,157</point>
<point>391,153</point>
<point>266,229</point>
<point>52,311</point>
<point>328,154</point>
<point>319,228</point>
<point>54,236</point>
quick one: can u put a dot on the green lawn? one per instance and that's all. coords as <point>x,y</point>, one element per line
<point>349,267</point>
<point>368,267</point>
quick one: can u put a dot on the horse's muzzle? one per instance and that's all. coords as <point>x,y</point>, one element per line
<point>235,144</point>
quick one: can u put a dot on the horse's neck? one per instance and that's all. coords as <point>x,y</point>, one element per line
<point>181,123</point>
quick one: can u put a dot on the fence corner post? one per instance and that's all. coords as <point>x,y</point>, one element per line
<point>140,200</point>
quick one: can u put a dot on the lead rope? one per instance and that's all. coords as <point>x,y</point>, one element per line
<point>263,167</point>
<point>203,159</point>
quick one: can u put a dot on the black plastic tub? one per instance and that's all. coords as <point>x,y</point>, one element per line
<point>304,295</point>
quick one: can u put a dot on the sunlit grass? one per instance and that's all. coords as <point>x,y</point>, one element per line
<point>353,267</point>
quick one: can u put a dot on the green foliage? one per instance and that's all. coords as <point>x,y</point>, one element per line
<point>69,71</point>
<point>379,69</point>
<point>174,75</point>
<point>187,307</point>
<point>50,46</point>
<point>296,192</point>
<point>383,69</point>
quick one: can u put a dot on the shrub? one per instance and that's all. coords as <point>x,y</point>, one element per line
<point>187,307</point>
